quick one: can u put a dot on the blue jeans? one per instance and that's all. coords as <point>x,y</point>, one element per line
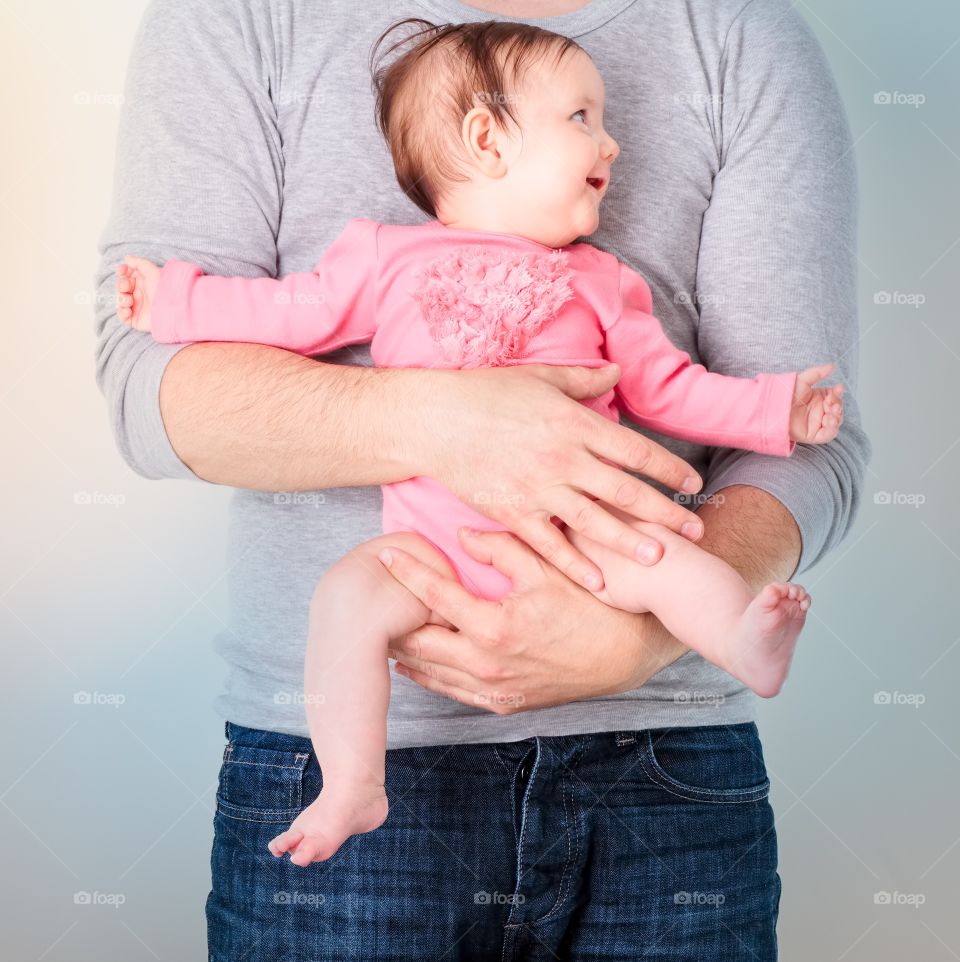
<point>654,844</point>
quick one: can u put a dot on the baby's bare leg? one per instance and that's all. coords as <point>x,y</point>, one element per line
<point>706,604</point>
<point>356,609</point>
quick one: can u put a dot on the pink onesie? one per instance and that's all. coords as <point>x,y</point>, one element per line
<point>431,296</point>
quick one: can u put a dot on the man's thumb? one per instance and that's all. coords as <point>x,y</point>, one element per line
<point>582,382</point>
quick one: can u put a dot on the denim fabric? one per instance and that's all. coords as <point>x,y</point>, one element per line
<point>654,844</point>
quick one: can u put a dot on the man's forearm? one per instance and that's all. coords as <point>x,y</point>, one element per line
<point>252,416</point>
<point>755,534</point>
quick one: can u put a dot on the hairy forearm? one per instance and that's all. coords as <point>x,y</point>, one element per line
<point>755,534</point>
<point>253,416</point>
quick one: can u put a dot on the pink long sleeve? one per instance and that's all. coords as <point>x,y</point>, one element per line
<point>310,313</point>
<point>662,390</point>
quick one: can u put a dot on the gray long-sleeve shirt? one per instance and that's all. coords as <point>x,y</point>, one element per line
<point>247,141</point>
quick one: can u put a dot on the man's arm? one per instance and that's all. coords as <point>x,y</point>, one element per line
<point>262,418</point>
<point>777,266</point>
<point>198,178</point>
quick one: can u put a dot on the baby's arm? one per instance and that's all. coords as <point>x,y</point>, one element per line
<point>311,312</point>
<point>661,389</point>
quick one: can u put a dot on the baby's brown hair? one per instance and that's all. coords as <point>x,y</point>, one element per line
<point>472,64</point>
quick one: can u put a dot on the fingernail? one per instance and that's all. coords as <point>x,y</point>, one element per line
<point>646,552</point>
<point>691,485</point>
<point>386,557</point>
<point>690,529</point>
<point>592,582</point>
<point>468,532</point>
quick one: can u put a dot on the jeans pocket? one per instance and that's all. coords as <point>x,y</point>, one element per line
<point>714,763</point>
<point>261,784</point>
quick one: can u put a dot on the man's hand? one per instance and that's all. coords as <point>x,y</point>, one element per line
<point>136,284</point>
<point>817,412</point>
<point>516,445</point>
<point>546,643</point>
<point>549,642</point>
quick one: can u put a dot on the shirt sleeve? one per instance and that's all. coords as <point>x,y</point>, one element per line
<point>776,278</point>
<point>311,313</point>
<point>197,175</point>
<point>661,389</point>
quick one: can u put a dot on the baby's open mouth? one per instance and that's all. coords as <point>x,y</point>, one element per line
<point>596,182</point>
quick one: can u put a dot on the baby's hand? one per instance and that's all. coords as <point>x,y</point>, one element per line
<point>137,281</point>
<point>817,412</point>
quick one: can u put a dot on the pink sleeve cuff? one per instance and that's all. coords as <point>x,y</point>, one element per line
<point>170,301</point>
<point>778,405</point>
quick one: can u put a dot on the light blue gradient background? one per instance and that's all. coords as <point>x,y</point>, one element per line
<point>119,800</point>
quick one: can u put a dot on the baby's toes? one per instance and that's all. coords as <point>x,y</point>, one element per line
<point>284,842</point>
<point>772,595</point>
<point>308,850</point>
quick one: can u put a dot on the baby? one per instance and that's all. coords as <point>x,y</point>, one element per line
<point>496,131</point>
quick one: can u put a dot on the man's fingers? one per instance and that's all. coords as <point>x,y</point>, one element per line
<point>548,541</point>
<point>622,446</point>
<point>637,498</point>
<point>431,655</point>
<point>446,597</point>
<point>450,691</point>
<point>506,552</point>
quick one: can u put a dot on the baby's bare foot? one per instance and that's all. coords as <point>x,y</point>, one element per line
<point>324,825</point>
<point>759,653</point>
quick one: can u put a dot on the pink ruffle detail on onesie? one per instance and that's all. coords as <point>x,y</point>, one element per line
<point>482,306</point>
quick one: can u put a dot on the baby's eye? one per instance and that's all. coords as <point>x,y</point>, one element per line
<point>582,111</point>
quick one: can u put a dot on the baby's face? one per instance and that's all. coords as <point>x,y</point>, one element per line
<point>560,168</point>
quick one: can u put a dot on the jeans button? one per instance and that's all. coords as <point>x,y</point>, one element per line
<point>524,772</point>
